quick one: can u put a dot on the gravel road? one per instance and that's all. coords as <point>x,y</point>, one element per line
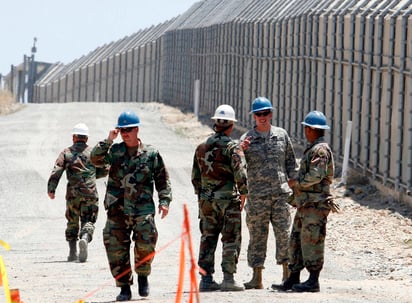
<point>368,246</point>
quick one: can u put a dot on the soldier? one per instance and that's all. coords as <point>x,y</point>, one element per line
<point>271,161</point>
<point>136,168</point>
<point>219,180</point>
<point>81,194</point>
<point>313,200</point>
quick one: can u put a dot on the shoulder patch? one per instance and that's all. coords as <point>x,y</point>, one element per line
<point>322,153</point>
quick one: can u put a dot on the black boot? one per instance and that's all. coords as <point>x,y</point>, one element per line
<point>73,251</point>
<point>311,285</point>
<point>125,293</point>
<point>83,243</point>
<point>143,286</point>
<point>294,278</point>
<point>208,284</point>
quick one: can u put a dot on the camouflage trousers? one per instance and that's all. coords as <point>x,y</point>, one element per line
<point>118,233</point>
<point>307,239</point>
<point>260,213</point>
<point>81,214</point>
<point>220,217</point>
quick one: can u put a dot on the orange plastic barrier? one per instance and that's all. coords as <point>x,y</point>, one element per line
<point>186,238</point>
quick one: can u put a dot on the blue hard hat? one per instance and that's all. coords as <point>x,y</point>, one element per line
<point>261,103</point>
<point>316,119</point>
<point>128,119</point>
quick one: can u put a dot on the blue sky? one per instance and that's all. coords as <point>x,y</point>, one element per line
<point>66,30</point>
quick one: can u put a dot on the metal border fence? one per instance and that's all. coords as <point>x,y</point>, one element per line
<point>349,59</point>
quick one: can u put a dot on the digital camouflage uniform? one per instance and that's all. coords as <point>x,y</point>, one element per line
<point>270,162</point>
<point>312,198</point>
<point>130,205</point>
<point>81,193</point>
<point>218,177</point>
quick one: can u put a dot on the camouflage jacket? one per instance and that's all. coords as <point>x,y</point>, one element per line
<point>218,172</point>
<point>81,173</point>
<point>315,174</point>
<point>132,178</point>
<point>270,162</point>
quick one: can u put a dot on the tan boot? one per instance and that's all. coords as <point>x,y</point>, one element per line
<point>256,281</point>
<point>286,272</point>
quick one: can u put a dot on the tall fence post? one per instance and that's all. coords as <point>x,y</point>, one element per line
<point>346,152</point>
<point>196,97</point>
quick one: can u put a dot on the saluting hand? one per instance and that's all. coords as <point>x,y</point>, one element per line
<point>113,134</point>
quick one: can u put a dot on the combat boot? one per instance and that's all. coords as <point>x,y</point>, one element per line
<point>143,285</point>
<point>125,293</point>
<point>294,278</point>
<point>73,251</point>
<point>310,285</point>
<point>256,281</point>
<point>83,243</point>
<point>229,284</point>
<point>208,284</point>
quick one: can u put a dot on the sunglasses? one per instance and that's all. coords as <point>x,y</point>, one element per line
<point>264,114</point>
<point>126,129</point>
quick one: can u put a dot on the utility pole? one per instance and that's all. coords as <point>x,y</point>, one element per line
<point>31,72</point>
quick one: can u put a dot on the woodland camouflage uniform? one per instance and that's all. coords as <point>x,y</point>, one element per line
<point>218,177</point>
<point>81,192</point>
<point>313,200</point>
<point>130,205</point>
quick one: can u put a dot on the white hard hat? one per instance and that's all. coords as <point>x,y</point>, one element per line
<point>225,112</point>
<point>80,129</point>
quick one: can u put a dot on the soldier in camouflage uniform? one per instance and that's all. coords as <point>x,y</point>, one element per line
<point>219,180</point>
<point>81,193</point>
<point>271,161</point>
<point>136,169</point>
<point>313,201</point>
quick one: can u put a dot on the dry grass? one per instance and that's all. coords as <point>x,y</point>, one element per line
<point>7,103</point>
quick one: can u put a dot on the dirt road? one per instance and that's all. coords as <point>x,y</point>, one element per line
<point>368,246</point>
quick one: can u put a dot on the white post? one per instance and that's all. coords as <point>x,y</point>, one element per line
<point>196,98</point>
<point>346,152</point>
